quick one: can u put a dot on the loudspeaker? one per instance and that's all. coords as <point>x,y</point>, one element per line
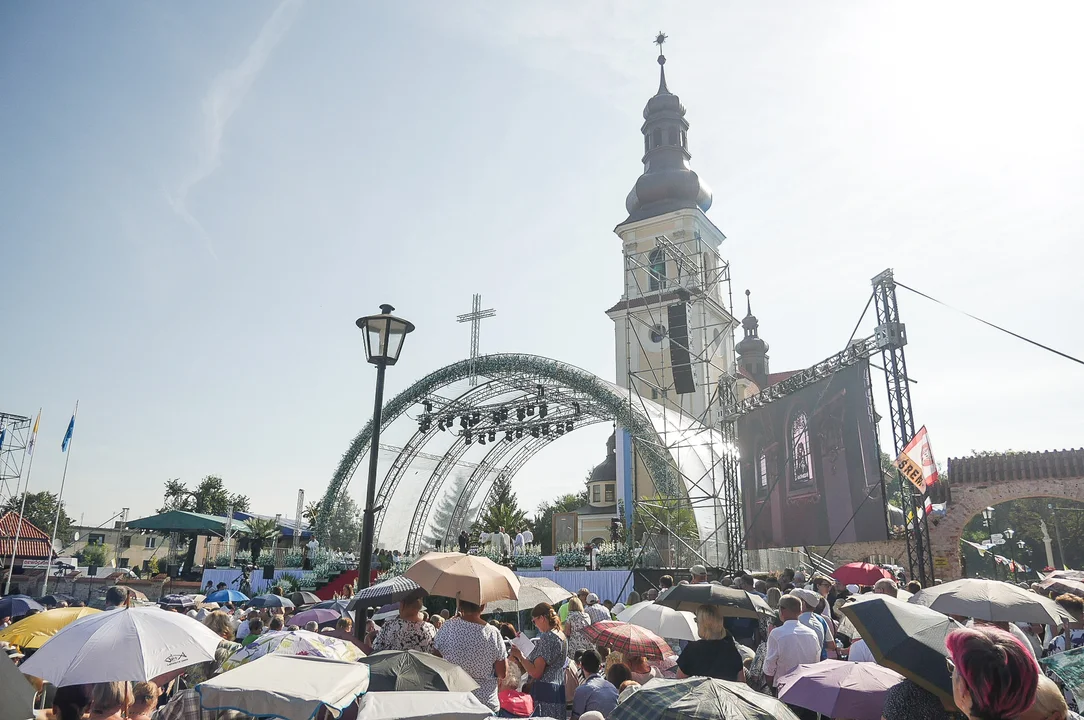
<point>268,572</point>
<point>174,571</point>
<point>677,317</point>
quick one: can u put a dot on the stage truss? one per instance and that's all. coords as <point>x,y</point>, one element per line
<point>16,433</point>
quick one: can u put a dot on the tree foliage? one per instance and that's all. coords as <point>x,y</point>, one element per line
<point>543,519</point>
<point>312,511</point>
<point>441,516</point>
<point>41,512</point>
<point>1023,516</point>
<point>97,555</point>
<point>344,524</point>
<point>210,498</point>
<point>503,510</point>
<point>261,532</point>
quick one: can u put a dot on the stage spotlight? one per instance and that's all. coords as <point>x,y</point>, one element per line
<point>546,429</point>
<point>440,425</point>
<point>530,410</point>
<point>496,417</point>
<point>492,435</point>
<point>520,414</point>
<point>576,407</point>
<point>475,417</point>
<point>425,424</point>
<point>541,391</point>
<point>504,415</point>
<point>519,433</point>
<point>560,428</point>
<point>534,432</point>
<point>508,436</point>
<point>481,439</point>
<point>542,410</point>
<point>463,421</point>
<point>569,425</point>
<point>428,406</point>
<point>467,437</point>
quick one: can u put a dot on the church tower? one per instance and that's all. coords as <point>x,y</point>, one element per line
<point>673,328</point>
<point>752,350</point>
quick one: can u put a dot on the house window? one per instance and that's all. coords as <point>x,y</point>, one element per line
<point>762,475</point>
<point>609,493</point>
<point>96,539</point>
<point>596,494</point>
<point>803,460</point>
<point>125,542</point>
<point>657,273</point>
<point>150,542</point>
<point>122,562</point>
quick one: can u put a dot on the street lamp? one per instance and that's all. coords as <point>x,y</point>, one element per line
<point>384,335</point>
<point>988,515</point>
<point>1009,532</point>
<point>988,521</point>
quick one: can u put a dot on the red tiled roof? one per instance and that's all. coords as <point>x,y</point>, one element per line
<point>1048,465</point>
<point>774,378</point>
<point>33,543</point>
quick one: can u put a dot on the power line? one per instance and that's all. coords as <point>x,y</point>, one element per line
<point>990,324</point>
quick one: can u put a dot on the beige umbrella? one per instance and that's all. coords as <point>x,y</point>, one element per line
<point>473,578</point>
<point>532,590</point>
<point>992,601</point>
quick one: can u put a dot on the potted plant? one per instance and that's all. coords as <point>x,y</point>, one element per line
<point>571,557</point>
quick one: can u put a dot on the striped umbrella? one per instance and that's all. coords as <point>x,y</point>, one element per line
<point>390,591</point>
<point>629,640</point>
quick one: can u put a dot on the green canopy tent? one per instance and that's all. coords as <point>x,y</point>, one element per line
<point>187,523</point>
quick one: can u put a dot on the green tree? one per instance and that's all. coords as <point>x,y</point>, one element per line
<point>344,526</point>
<point>97,555</point>
<point>312,511</point>
<point>41,512</point>
<point>543,519</point>
<point>210,498</point>
<point>503,510</point>
<point>440,519</point>
<point>260,531</point>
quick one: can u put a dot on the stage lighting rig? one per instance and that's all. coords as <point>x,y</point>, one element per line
<point>521,414</point>
<point>543,409</point>
<point>428,406</point>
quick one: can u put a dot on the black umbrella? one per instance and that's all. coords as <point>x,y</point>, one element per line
<point>907,638</point>
<point>700,698</point>
<point>415,671</point>
<point>390,591</point>
<point>303,597</point>
<point>732,602</point>
<point>56,599</point>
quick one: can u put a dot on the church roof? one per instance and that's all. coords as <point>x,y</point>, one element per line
<point>597,509</point>
<point>667,183</point>
<point>33,543</point>
<point>606,471</point>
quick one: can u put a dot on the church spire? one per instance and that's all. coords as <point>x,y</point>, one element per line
<point>667,183</point>
<point>752,350</point>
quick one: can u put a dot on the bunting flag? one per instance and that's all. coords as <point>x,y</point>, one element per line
<point>916,461</point>
<point>925,509</point>
<point>33,435</point>
<point>999,559</point>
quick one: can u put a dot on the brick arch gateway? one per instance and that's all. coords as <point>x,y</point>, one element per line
<point>975,483</point>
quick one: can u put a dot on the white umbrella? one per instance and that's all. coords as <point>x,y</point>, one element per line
<point>992,601</point>
<point>532,590</point>
<point>290,687</point>
<point>661,620</point>
<point>126,644</point>
<point>422,706</point>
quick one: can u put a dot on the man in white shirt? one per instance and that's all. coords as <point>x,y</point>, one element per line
<point>815,621</point>
<point>517,548</point>
<point>860,652</point>
<point>791,645</point>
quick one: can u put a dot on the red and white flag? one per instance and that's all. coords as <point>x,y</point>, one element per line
<point>916,461</point>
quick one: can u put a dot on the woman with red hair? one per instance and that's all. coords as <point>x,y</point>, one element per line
<point>993,676</point>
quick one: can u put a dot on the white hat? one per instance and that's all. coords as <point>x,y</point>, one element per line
<point>618,608</point>
<point>809,597</point>
<point>592,599</point>
<point>853,589</point>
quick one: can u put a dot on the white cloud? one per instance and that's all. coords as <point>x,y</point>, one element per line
<point>223,99</point>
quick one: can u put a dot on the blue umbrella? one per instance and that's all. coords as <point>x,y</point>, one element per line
<point>226,596</point>
<point>271,600</point>
<point>18,605</point>
<point>340,605</point>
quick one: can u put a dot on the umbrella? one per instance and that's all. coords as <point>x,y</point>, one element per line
<point>177,601</point>
<point>341,604</point>
<point>532,590</point>
<point>416,671</point>
<point>839,689</point>
<point>30,633</point>
<point>700,698</point>
<point>126,644</point>
<point>18,605</point>
<point>732,602</point>
<point>992,601</point>
<point>1069,667</point>
<point>227,596</point>
<point>907,638</point>
<point>270,601</point>
<point>422,706</point>
<point>390,591</point>
<point>56,598</point>
<point>629,640</point>
<point>472,578</point>
<point>303,597</point>
<point>18,694</point>
<point>1062,585</point>
<point>293,688</point>
<point>860,573</point>
<point>294,642</point>
<point>134,594</point>
<point>318,615</point>
<point>661,620</point>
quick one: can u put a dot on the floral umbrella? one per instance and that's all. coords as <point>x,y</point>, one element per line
<point>294,642</point>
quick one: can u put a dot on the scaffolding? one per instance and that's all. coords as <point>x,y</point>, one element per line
<point>15,431</point>
<point>683,269</point>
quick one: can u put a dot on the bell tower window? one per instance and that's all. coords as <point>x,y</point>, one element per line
<point>656,137</point>
<point>672,137</point>
<point>657,273</point>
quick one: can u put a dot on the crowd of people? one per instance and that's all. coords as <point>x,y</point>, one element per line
<point>559,672</point>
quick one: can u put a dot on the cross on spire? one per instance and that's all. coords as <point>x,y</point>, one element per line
<point>475,317</point>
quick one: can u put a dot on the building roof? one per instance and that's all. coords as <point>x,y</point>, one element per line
<point>33,543</point>
<point>184,521</point>
<point>1047,465</point>
<point>597,510</point>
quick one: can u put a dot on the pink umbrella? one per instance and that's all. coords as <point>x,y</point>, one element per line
<point>860,573</point>
<point>839,689</point>
<point>319,615</point>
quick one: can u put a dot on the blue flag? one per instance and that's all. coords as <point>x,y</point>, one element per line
<point>3,436</point>
<point>68,435</point>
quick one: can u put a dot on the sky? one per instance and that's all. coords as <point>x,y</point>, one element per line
<point>199,199</point>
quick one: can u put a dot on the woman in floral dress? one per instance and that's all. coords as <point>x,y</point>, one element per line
<point>577,621</point>
<point>408,631</point>
<point>546,664</point>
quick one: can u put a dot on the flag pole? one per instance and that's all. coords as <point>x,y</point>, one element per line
<point>22,506</point>
<point>59,502</point>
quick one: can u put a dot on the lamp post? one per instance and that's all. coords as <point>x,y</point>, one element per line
<point>1023,550</point>
<point>384,335</point>
<point>988,520</point>
<point>1009,532</point>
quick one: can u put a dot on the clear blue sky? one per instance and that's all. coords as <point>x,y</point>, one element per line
<point>198,200</point>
